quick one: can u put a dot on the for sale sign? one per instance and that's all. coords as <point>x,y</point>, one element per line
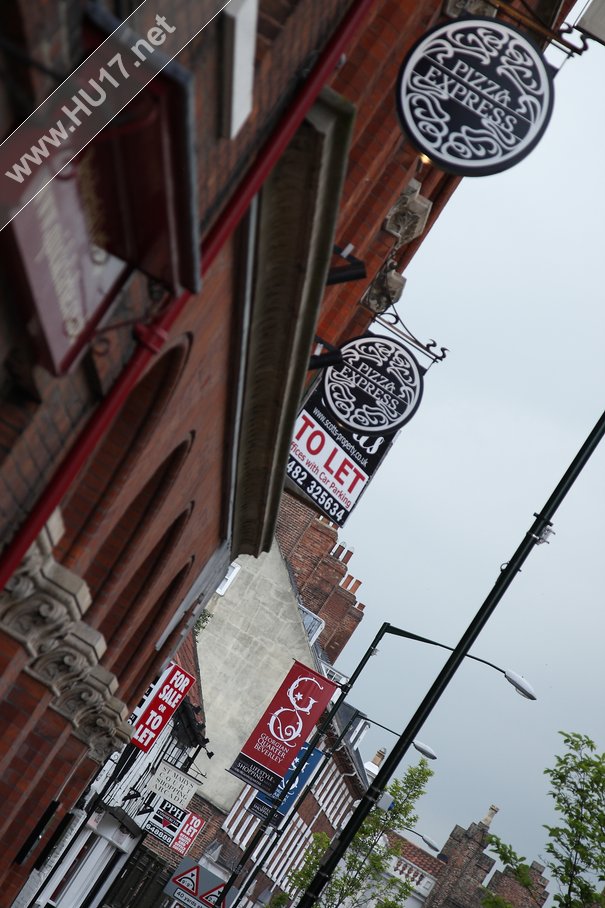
<point>168,695</point>
<point>271,748</point>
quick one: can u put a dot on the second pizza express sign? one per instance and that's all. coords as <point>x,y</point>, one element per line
<point>349,422</point>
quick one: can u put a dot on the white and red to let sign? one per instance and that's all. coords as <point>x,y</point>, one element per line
<point>175,827</point>
<point>164,701</point>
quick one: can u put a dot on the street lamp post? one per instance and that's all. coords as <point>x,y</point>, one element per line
<point>260,862</point>
<point>537,533</point>
<point>519,683</point>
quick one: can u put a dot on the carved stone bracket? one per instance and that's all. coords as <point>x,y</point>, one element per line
<point>41,607</point>
<point>70,660</point>
<point>455,8</point>
<point>407,218</point>
<point>385,290</point>
<point>97,716</point>
<point>42,599</point>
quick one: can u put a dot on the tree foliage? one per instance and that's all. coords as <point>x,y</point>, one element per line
<point>363,873</point>
<point>576,846</point>
<point>519,868</point>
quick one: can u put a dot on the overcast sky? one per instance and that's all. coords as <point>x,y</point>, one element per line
<point>511,280</point>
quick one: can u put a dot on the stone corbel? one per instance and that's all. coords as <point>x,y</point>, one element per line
<point>41,607</point>
<point>385,290</point>
<point>97,716</point>
<point>408,217</point>
<point>70,660</point>
<point>42,599</point>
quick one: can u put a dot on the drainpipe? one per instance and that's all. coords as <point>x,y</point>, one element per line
<point>153,337</point>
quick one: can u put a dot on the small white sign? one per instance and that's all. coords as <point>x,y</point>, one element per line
<point>174,785</point>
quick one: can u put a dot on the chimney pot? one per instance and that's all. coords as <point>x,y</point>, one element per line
<point>491,813</point>
<point>355,586</point>
<point>379,756</point>
<point>347,556</point>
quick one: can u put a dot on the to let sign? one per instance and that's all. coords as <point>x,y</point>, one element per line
<point>167,697</point>
<point>475,95</point>
<point>175,827</point>
<point>350,421</point>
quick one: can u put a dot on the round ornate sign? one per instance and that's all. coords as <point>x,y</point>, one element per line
<point>475,95</point>
<point>376,388</point>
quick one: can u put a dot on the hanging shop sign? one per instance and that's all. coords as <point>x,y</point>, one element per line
<point>475,95</point>
<point>168,695</point>
<point>65,277</point>
<point>176,786</point>
<point>349,422</point>
<point>377,388</point>
<point>126,201</point>
<point>262,805</point>
<point>174,827</point>
<point>195,887</point>
<point>290,717</point>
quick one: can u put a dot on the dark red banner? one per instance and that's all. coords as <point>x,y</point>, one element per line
<point>164,701</point>
<point>284,727</point>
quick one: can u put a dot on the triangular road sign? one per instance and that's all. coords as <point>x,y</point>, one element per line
<point>190,880</point>
<point>213,897</point>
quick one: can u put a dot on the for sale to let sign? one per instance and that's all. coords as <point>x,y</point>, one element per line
<point>167,697</point>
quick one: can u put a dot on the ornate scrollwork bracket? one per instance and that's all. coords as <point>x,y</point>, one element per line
<point>42,606</point>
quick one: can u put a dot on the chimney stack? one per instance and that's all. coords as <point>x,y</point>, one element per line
<point>491,813</point>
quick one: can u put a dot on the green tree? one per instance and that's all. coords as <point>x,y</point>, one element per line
<point>363,872</point>
<point>576,846</point>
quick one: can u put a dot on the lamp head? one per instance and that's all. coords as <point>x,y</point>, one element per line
<point>430,843</point>
<point>522,686</point>
<point>425,750</point>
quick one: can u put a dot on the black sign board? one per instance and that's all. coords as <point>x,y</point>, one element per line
<point>331,464</point>
<point>350,420</point>
<point>475,95</point>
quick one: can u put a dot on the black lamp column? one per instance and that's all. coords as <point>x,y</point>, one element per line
<point>536,534</point>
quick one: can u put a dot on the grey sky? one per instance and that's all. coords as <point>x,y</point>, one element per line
<point>511,280</point>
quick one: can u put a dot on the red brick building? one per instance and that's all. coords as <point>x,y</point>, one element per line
<point>138,463</point>
<point>320,566</point>
<point>466,868</point>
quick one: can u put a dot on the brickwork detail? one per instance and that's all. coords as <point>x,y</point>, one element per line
<point>309,543</point>
<point>466,868</point>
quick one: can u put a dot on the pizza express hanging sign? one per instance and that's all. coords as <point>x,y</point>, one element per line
<point>377,387</point>
<point>475,95</point>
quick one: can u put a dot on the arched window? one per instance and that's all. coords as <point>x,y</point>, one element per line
<point>93,500</point>
<point>135,668</point>
<point>124,546</point>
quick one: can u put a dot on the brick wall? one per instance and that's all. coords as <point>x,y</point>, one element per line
<point>466,868</point>
<point>504,884</point>
<point>320,566</point>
